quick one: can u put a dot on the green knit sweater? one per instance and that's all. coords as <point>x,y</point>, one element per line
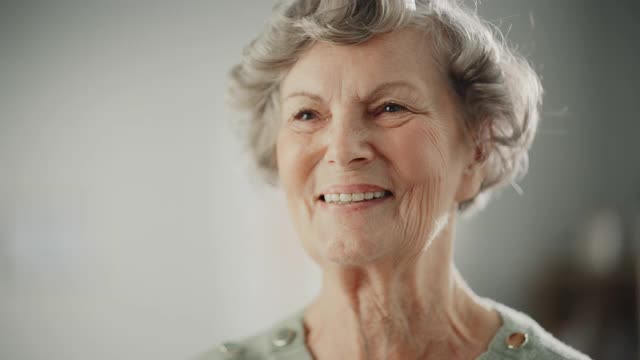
<point>285,341</point>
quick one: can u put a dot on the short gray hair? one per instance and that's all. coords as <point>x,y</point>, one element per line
<point>499,91</point>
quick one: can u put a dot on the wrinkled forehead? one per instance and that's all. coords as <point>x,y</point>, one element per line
<point>403,55</point>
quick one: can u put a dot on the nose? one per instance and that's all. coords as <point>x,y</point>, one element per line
<point>349,143</point>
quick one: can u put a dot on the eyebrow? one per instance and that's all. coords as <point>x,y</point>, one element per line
<point>307,94</point>
<point>388,86</point>
<point>381,88</point>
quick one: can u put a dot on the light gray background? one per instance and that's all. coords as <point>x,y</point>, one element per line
<point>131,226</point>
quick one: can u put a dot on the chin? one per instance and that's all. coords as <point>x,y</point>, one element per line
<point>351,250</point>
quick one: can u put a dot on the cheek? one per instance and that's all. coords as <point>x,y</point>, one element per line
<point>294,167</point>
<point>418,153</point>
<point>420,158</point>
<point>290,160</point>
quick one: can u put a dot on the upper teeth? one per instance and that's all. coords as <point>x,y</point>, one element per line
<point>345,198</point>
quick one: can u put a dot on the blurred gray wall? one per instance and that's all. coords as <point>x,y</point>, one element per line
<point>131,226</point>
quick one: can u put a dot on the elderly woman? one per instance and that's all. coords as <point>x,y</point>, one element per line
<point>383,120</point>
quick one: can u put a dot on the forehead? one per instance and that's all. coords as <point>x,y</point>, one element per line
<point>402,55</point>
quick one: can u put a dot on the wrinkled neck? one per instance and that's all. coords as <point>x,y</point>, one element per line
<point>394,308</point>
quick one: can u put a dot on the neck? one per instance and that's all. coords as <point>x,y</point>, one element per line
<point>417,308</point>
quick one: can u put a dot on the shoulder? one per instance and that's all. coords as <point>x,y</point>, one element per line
<point>521,337</point>
<point>283,340</point>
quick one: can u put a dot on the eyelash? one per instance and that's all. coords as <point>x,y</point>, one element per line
<point>401,108</point>
<point>299,114</point>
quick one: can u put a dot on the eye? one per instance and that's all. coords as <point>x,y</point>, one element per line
<point>392,108</point>
<point>305,115</point>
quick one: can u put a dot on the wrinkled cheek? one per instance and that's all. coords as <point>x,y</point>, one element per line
<point>293,172</point>
<point>424,172</point>
<point>284,159</point>
<point>288,178</point>
<point>420,207</point>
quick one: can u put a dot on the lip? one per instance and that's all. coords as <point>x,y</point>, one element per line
<point>351,189</point>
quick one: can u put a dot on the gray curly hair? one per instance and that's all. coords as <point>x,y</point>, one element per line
<point>499,91</point>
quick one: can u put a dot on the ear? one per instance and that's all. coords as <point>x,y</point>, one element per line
<point>473,174</point>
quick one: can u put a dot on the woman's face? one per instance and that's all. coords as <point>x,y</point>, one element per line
<point>358,121</point>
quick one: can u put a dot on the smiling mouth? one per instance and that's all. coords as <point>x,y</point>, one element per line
<point>349,198</point>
